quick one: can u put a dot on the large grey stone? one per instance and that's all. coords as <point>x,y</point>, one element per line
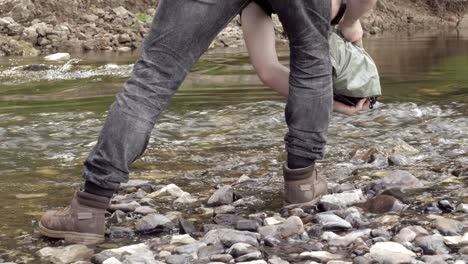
<point>65,255</point>
<point>448,227</point>
<point>240,249</point>
<point>332,221</point>
<point>153,221</point>
<point>432,245</point>
<point>390,252</point>
<point>229,237</point>
<point>222,196</point>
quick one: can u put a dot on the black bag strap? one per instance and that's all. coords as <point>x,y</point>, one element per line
<point>340,14</point>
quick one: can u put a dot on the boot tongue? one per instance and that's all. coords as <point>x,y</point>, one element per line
<point>298,174</point>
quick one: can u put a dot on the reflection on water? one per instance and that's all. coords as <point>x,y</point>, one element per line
<point>222,124</point>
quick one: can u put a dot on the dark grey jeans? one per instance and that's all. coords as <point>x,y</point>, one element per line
<point>181,32</point>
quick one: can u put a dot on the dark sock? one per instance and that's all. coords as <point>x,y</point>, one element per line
<point>298,162</point>
<point>92,188</point>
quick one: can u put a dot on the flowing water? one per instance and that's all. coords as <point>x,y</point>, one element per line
<point>223,124</point>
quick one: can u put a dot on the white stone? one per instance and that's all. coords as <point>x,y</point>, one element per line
<point>390,252</point>
<point>182,239</point>
<point>343,241</point>
<point>463,208</point>
<point>58,57</point>
<point>111,261</point>
<point>243,178</point>
<point>345,198</point>
<point>171,189</point>
<point>272,221</point>
<point>452,240</point>
<point>323,256</point>
<point>128,250</point>
<point>185,198</point>
<point>65,255</point>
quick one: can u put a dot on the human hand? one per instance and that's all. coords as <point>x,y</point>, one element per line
<point>350,110</point>
<point>353,33</point>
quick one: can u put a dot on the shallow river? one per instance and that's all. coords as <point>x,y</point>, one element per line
<point>223,123</point>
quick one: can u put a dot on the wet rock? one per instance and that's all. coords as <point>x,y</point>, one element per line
<point>432,245</point>
<point>397,178</point>
<point>383,204</point>
<point>222,196</point>
<point>390,252</point>
<point>320,256</point>
<point>275,220</point>
<point>331,221</point>
<point>344,187</point>
<point>125,207</point>
<point>185,198</point>
<point>182,239</point>
<point>266,231</point>
<point>65,255</point>
<point>117,217</point>
<point>227,219</point>
<point>247,225</point>
<point>209,227</point>
<point>271,241</point>
<point>224,209</point>
<point>405,235</point>
<point>145,210</point>
<point>343,241</point>
<point>380,232</point>
<point>435,259</point>
<point>277,260</point>
<point>211,250</point>
<point>361,260</point>
<point>186,227</point>
<point>179,259</point>
<point>291,227</point>
<point>462,208</point>
<point>189,249</point>
<point>229,237</point>
<point>463,251</point>
<point>448,227</point>
<point>58,57</point>
<point>36,67</point>
<point>135,183</point>
<point>121,232</point>
<point>446,206</point>
<point>171,189</point>
<point>344,199</point>
<point>112,260</point>
<point>240,249</point>
<point>152,222</point>
<point>224,258</point>
<point>398,160</point>
<point>253,262</point>
<point>250,257</point>
<point>249,202</point>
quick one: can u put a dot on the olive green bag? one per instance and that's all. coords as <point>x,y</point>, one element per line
<point>355,73</point>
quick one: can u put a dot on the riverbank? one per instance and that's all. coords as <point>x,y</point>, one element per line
<point>41,27</point>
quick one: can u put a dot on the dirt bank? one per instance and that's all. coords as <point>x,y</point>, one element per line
<point>34,27</point>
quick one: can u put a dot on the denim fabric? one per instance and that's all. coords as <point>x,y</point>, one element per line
<point>181,31</point>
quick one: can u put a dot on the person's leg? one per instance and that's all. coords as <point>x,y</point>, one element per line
<point>181,31</point>
<point>259,36</point>
<point>308,110</point>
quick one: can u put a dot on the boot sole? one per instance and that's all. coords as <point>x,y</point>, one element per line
<point>72,237</point>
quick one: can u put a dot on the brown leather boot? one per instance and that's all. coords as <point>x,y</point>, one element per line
<point>303,187</point>
<point>82,222</point>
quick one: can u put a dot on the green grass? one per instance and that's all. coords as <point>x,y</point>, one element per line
<point>145,18</point>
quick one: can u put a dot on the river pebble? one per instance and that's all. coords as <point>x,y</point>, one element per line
<point>432,245</point>
<point>447,226</point>
<point>153,221</point>
<point>332,221</point>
